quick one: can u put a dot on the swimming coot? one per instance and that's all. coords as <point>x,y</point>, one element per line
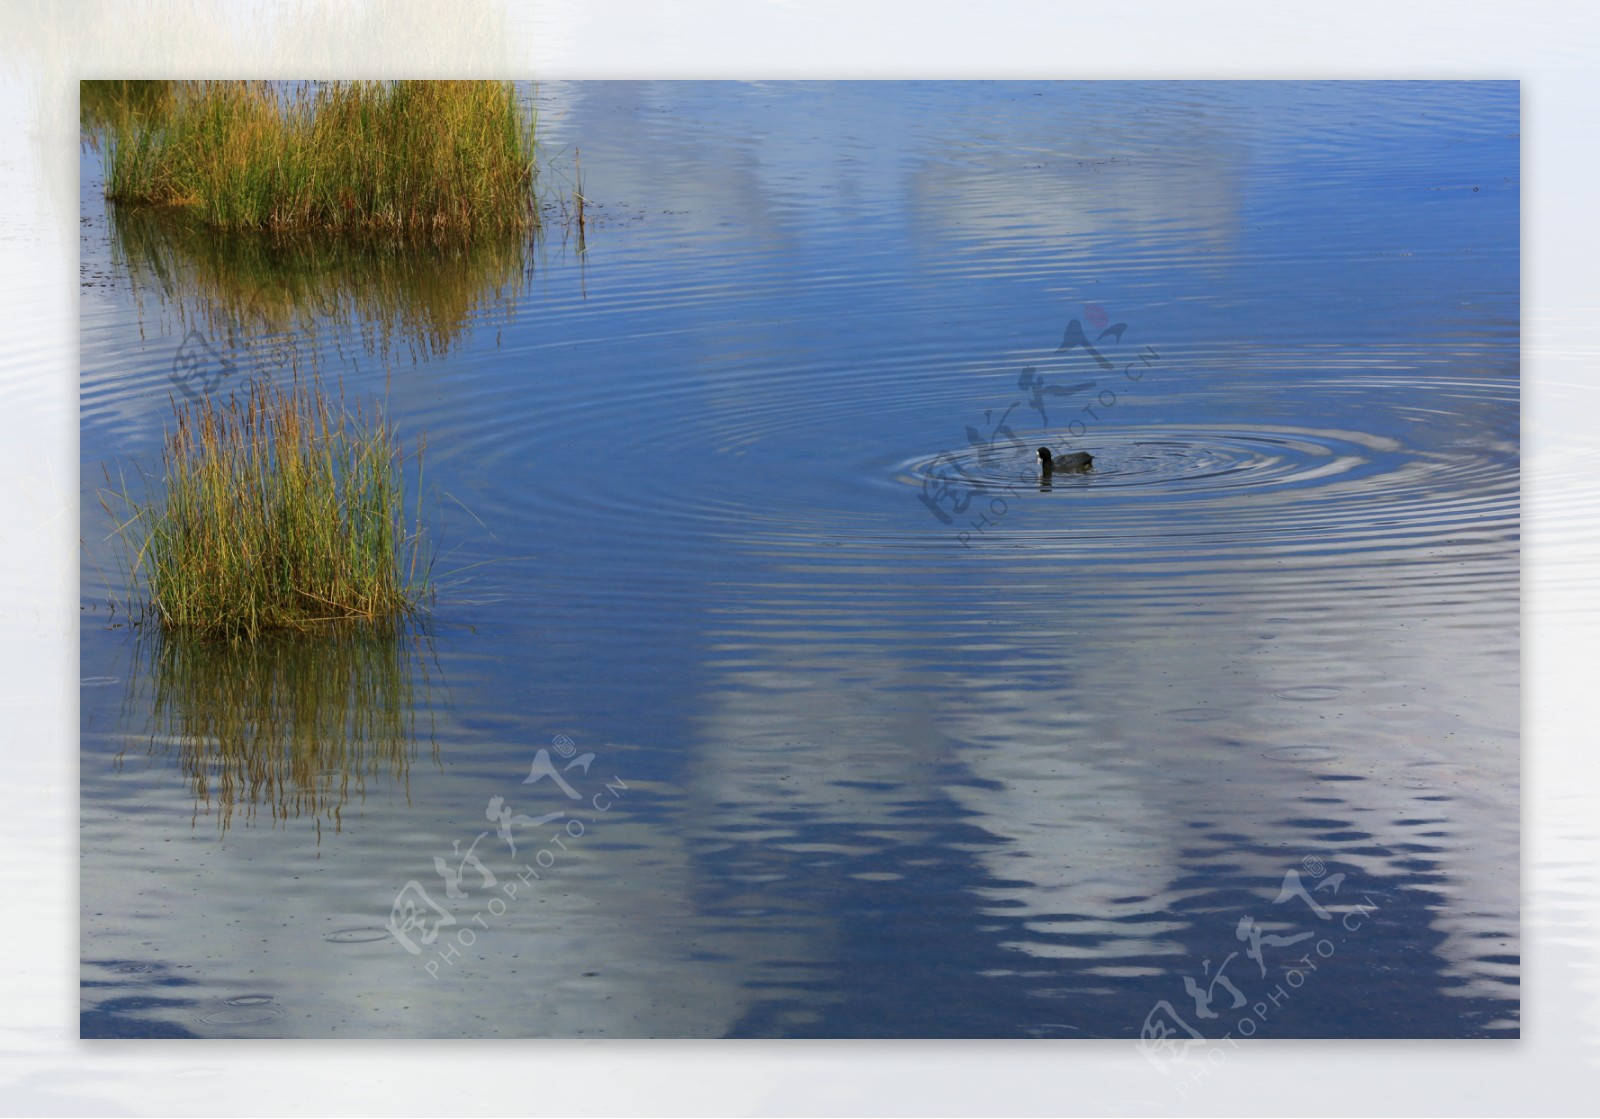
<point>1077,461</point>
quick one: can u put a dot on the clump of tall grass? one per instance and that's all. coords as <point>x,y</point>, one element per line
<point>405,156</point>
<point>280,510</point>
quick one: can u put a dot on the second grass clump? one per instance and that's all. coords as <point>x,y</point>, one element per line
<point>280,510</point>
<point>408,156</point>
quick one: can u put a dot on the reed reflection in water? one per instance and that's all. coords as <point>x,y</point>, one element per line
<point>405,298</point>
<point>293,724</point>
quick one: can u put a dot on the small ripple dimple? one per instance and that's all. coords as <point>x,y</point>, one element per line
<point>361,935</point>
<point>1311,693</point>
<point>1197,715</point>
<point>247,1010</point>
<point>1299,754</point>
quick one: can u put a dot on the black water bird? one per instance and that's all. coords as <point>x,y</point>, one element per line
<point>1077,462</point>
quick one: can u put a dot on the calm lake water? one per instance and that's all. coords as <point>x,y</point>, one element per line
<point>855,727</point>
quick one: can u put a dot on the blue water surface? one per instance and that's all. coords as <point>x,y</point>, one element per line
<point>733,487</point>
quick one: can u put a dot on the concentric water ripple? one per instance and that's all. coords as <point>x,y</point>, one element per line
<point>1187,462</point>
<point>1280,487</point>
<point>1341,489</point>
